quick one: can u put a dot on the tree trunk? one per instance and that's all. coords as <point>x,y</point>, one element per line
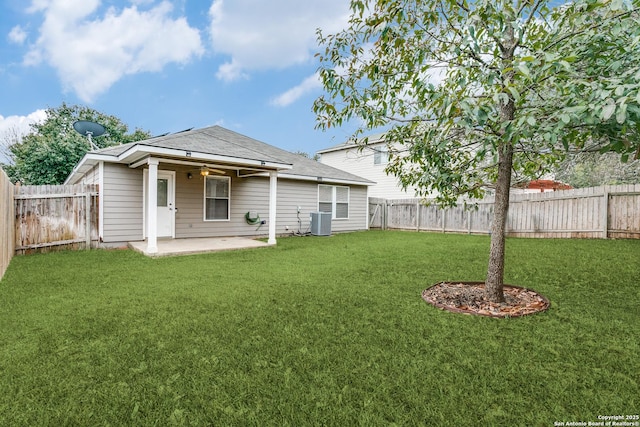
<point>495,273</point>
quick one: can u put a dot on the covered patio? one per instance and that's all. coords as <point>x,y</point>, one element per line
<point>172,247</point>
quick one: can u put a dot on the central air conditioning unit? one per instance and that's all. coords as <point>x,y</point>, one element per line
<point>321,223</point>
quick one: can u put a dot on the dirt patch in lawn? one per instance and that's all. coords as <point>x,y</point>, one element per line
<point>469,298</point>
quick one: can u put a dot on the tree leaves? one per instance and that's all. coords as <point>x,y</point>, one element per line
<point>522,67</point>
<point>435,75</point>
<point>588,169</point>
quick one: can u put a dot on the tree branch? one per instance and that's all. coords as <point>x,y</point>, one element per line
<point>592,27</point>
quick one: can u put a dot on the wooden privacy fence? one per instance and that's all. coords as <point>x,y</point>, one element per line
<point>55,216</point>
<point>596,212</point>
<point>7,239</point>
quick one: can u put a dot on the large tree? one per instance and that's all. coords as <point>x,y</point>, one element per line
<point>473,93</point>
<point>48,154</point>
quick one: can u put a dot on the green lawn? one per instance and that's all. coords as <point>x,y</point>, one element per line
<point>318,331</point>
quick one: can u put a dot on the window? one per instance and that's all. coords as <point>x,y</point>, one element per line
<point>380,156</point>
<point>163,192</point>
<point>325,198</point>
<point>216,198</point>
<point>334,199</point>
<point>342,202</point>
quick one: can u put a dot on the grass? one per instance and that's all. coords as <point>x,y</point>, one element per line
<point>318,331</point>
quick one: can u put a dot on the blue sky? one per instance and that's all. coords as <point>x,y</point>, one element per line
<point>169,65</point>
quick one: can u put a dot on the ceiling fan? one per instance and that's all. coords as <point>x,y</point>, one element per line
<point>206,171</point>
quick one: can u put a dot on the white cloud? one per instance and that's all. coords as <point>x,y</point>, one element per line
<point>259,34</point>
<point>17,35</point>
<point>92,53</point>
<point>308,85</point>
<point>21,124</point>
<point>13,128</point>
<point>37,6</point>
<point>231,71</point>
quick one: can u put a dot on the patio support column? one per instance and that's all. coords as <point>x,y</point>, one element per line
<point>152,207</point>
<point>273,196</point>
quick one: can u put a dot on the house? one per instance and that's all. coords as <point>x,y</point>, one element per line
<point>540,186</point>
<point>214,182</point>
<point>371,160</point>
<point>368,162</point>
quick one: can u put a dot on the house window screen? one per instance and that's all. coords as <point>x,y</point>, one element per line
<point>216,198</point>
<point>334,199</point>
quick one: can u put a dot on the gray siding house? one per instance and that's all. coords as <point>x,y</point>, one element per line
<point>214,182</point>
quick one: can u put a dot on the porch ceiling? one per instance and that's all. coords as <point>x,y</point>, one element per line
<point>139,155</point>
<point>242,170</point>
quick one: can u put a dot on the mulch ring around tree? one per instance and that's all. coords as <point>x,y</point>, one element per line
<point>469,298</point>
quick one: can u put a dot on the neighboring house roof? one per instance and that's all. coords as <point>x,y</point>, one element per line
<point>544,185</point>
<point>372,139</point>
<point>217,145</point>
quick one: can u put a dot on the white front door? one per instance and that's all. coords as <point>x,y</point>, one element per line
<point>166,203</point>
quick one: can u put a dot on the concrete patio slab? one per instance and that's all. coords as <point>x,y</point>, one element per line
<point>171,247</point>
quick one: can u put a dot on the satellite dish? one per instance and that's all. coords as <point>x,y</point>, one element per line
<point>89,129</point>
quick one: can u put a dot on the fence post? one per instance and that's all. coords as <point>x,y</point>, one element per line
<point>418,215</point>
<point>605,213</point>
<point>87,218</point>
<point>385,212</point>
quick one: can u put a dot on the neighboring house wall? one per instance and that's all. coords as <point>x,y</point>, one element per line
<point>363,163</point>
<point>124,207</point>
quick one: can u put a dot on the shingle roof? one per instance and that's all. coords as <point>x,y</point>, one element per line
<point>375,138</point>
<point>212,140</point>
<point>217,140</point>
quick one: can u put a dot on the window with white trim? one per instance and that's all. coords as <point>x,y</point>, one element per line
<point>334,199</point>
<point>216,198</point>
<point>380,156</point>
